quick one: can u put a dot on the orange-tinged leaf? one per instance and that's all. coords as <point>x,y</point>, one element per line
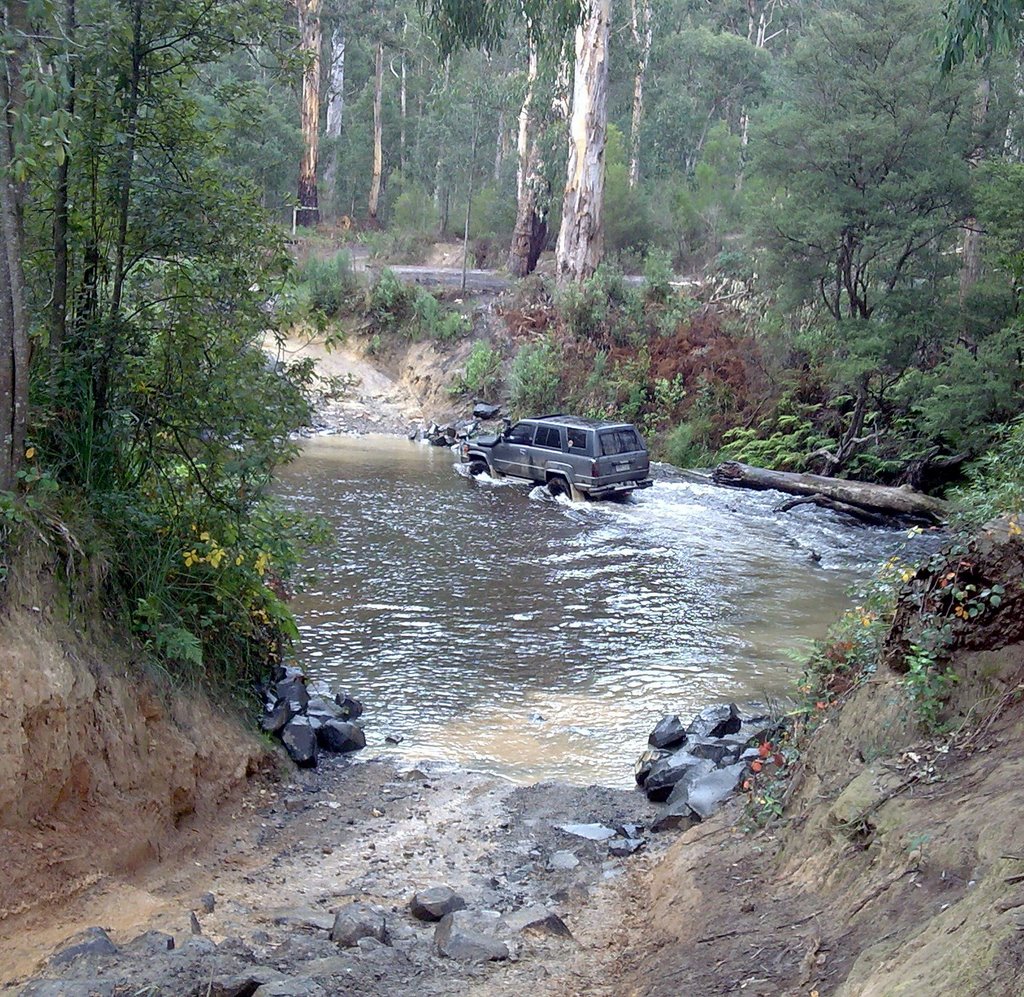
<point>755,766</point>
<point>764,750</point>
<point>779,758</point>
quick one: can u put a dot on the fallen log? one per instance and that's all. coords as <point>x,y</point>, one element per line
<point>896,502</point>
<point>856,512</point>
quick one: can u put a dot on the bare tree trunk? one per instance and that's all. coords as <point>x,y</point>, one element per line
<point>335,112</point>
<point>499,146</point>
<point>402,116</point>
<point>309,111</point>
<point>580,241</point>
<point>643,33</point>
<point>970,255</point>
<point>59,306</point>
<point>14,344</point>
<point>523,145</point>
<point>378,152</point>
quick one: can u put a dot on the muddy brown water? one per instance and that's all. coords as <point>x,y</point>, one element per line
<point>491,626</point>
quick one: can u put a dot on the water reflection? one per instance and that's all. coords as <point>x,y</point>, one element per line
<point>490,625</point>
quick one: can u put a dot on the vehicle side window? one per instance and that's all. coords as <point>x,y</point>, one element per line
<point>617,441</point>
<point>521,432</point>
<point>550,437</point>
<point>577,440</point>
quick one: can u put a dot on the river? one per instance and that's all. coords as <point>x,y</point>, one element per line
<point>489,625</point>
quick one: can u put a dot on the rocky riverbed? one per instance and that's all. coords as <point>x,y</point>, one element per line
<point>310,890</point>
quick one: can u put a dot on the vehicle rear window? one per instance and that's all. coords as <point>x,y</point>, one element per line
<point>616,441</point>
<point>548,436</point>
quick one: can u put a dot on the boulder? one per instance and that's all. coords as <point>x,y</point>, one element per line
<point>536,919</point>
<point>299,740</point>
<point>351,708</point>
<point>716,721</point>
<point>469,937</point>
<point>275,719</point>
<point>432,904</point>
<point>357,921</point>
<point>324,709</point>
<point>705,792</point>
<point>562,861</point>
<point>667,772</point>
<point>340,736</point>
<point>149,943</point>
<point>481,410</point>
<point>90,942</point>
<point>680,789</point>
<point>241,984</point>
<point>669,733</point>
<point>296,694</point>
<point>646,762</point>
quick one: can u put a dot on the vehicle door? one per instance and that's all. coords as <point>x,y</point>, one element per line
<point>621,455</point>
<point>512,454</point>
<point>547,447</point>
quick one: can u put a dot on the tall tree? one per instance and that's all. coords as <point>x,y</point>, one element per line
<point>580,243</point>
<point>376,177</point>
<point>308,212</point>
<point>642,29</point>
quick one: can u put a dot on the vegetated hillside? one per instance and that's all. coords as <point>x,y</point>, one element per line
<point>896,867</point>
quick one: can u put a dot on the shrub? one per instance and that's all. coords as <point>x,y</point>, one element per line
<point>534,378</point>
<point>331,285</point>
<point>483,370</point>
<point>683,448</point>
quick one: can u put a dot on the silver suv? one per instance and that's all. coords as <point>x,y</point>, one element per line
<point>581,458</point>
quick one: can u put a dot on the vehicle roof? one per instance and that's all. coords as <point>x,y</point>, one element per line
<point>579,422</point>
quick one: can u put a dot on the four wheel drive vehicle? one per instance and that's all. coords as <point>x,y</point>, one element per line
<point>581,458</point>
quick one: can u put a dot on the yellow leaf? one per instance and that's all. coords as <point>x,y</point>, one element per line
<point>30,453</point>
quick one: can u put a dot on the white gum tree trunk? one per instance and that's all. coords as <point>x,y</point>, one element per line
<point>643,34</point>
<point>580,237</point>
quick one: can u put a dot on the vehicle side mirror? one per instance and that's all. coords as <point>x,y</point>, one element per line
<point>506,427</point>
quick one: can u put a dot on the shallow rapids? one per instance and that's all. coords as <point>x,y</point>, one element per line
<point>489,625</point>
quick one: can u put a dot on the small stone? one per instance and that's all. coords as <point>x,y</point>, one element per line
<point>432,904</point>
<point>481,410</point>
<point>357,921</point>
<point>207,903</point>
<point>468,936</point>
<point>562,861</point>
<point>393,739</point>
<point>669,733</point>
<point>676,816</point>
<point>621,847</point>
<point>299,986</point>
<point>537,919</point>
<point>149,943</point>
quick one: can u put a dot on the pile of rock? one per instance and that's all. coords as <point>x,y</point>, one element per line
<point>449,433</point>
<point>308,724</point>
<point>695,768</point>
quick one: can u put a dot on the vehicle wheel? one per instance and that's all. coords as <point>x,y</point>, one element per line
<point>477,467</point>
<point>557,485</point>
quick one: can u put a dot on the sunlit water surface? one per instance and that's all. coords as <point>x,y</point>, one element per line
<point>489,625</point>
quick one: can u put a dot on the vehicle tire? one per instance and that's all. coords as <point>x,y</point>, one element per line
<point>557,485</point>
<point>477,467</point>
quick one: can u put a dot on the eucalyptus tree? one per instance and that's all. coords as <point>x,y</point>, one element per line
<point>310,42</point>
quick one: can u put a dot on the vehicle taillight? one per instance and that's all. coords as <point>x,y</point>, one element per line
<point>594,472</point>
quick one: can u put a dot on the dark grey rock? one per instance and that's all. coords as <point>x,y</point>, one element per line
<point>669,733</point>
<point>149,943</point>
<point>197,945</point>
<point>432,904</point>
<point>69,988</point>
<point>667,772</point>
<point>481,410</point>
<point>675,816</point>
<point>207,903</point>
<point>274,720</point>
<point>715,721</point>
<point>296,694</point>
<point>305,919</point>
<point>536,919</point>
<point>243,984</point>
<point>621,847</point>
<point>681,788</point>
<point>647,761</point>
<point>592,832</point>
<point>323,709</point>
<point>706,792</point>
<point>357,921</point>
<point>340,736</point>
<point>351,708</point>
<point>721,751</point>
<point>469,937</point>
<point>393,739</point>
<point>299,739</point>
<point>91,942</point>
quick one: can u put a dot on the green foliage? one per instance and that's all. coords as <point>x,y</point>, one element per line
<point>681,448</point>
<point>331,284</point>
<point>483,371</point>
<point>397,309</point>
<point>785,444</point>
<point>534,378</point>
<point>995,482</point>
